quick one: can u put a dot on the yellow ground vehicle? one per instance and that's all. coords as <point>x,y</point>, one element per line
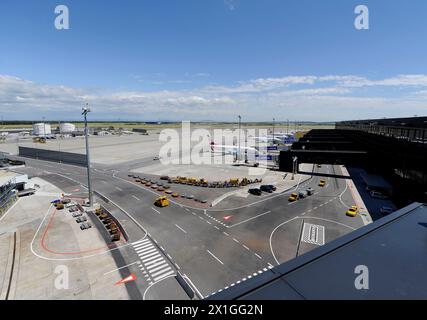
<point>293,197</point>
<point>322,183</point>
<point>39,140</point>
<point>353,211</point>
<point>161,202</point>
<point>59,205</point>
<point>175,195</point>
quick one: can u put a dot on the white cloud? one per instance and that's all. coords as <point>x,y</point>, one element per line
<point>310,97</point>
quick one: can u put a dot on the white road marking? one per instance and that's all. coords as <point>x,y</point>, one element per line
<point>119,189</point>
<point>142,245</point>
<point>164,276</point>
<point>157,211</point>
<point>153,261</point>
<point>128,265</point>
<point>244,221</point>
<point>151,258</point>
<point>258,256</point>
<point>161,271</point>
<point>136,198</point>
<point>180,228</point>
<point>159,266</point>
<point>215,257</point>
<point>145,251</point>
<point>148,255</point>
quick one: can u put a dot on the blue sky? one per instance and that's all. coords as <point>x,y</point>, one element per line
<point>213,59</point>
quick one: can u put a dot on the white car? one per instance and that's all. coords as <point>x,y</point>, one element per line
<point>386,210</point>
<point>378,195</point>
<point>70,204</point>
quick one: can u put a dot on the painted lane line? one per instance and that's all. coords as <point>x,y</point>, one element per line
<point>170,257</point>
<point>226,233</point>
<point>215,257</point>
<point>157,211</point>
<point>244,221</point>
<point>246,247</point>
<point>258,256</point>
<point>235,240</point>
<point>135,197</point>
<point>128,265</point>
<point>216,227</point>
<point>119,189</point>
<point>180,228</point>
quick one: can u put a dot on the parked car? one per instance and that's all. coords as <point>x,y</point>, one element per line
<point>81,219</point>
<point>386,210</point>
<point>378,195</point>
<point>310,191</point>
<point>322,183</point>
<point>268,188</point>
<point>77,214</point>
<point>70,204</point>
<point>85,226</point>
<point>255,191</point>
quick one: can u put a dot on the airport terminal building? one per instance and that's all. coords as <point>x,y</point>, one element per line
<point>10,183</point>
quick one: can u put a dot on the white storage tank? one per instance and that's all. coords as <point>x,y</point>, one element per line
<point>67,128</point>
<point>42,129</point>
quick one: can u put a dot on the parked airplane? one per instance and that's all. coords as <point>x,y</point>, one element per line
<point>251,153</point>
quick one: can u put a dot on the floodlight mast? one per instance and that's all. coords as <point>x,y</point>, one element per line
<point>86,110</point>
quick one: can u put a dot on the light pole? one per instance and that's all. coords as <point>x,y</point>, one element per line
<point>246,144</point>
<point>86,110</point>
<point>274,141</point>
<point>240,123</point>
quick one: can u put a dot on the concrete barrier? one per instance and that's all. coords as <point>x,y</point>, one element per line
<point>56,156</point>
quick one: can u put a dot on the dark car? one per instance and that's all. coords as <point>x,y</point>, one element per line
<point>268,188</point>
<point>255,192</point>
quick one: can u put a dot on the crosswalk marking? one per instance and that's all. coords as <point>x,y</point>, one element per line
<point>146,251</point>
<point>148,247</point>
<point>164,275</point>
<point>148,255</point>
<point>154,257</point>
<point>159,263</point>
<point>161,271</point>
<point>141,246</point>
<point>153,264</point>
<point>153,261</point>
<point>160,267</point>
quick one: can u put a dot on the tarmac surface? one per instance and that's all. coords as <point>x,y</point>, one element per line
<point>213,248</point>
